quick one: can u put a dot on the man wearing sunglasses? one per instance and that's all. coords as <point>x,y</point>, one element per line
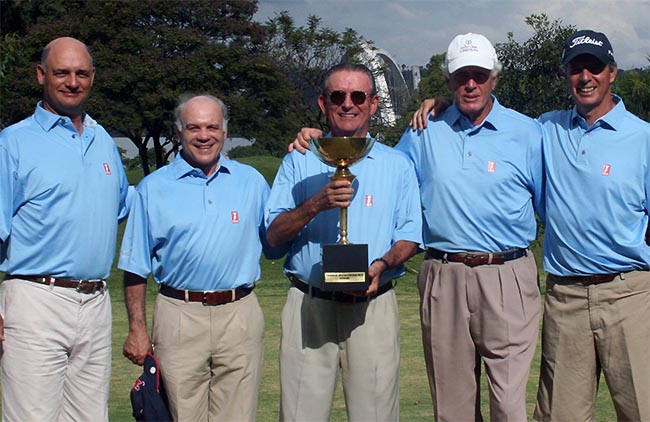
<point>323,331</point>
<point>480,174</point>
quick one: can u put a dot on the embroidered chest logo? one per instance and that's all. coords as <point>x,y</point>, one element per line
<point>107,169</point>
<point>234,217</point>
<point>606,169</point>
<point>492,166</point>
<point>369,201</point>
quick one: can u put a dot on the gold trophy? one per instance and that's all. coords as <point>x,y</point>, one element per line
<point>345,266</point>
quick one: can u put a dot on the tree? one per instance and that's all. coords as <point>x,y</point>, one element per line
<point>634,87</point>
<point>304,54</point>
<point>148,52</point>
<point>532,80</point>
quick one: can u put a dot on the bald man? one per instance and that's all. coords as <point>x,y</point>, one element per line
<point>62,192</point>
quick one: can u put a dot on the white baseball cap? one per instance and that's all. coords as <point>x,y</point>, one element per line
<point>470,50</point>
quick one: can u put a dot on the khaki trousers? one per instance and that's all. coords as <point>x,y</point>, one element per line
<point>56,360</point>
<point>486,314</point>
<point>210,357</point>
<point>589,329</point>
<point>319,337</point>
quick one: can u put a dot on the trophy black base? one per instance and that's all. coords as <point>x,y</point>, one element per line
<point>345,267</point>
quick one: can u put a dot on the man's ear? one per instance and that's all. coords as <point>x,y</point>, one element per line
<point>40,74</point>
<point>321,104</point>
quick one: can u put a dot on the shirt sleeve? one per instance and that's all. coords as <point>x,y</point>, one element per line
<point>8,188</point>
<point>137,243</point>
<point>409,212</point>
<point>538,180</point>
<point>127,192</point>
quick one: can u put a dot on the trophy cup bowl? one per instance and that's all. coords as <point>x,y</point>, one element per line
<point>341,152</point>
<point>345,266</point>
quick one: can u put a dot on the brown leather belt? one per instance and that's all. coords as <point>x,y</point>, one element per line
<point>336,296</point>
<point>474,259</point>
<point>82,286</point>
<point>207,298</point>
<point>584,280</point>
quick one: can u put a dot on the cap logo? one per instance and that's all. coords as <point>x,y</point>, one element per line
<point>585,40</point>
<point>468,47</point>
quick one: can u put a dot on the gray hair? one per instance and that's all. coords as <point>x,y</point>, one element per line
<point>496,69</point>
<point>182,102</point>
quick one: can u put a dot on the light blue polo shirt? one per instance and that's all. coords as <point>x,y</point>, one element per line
<point>598,192</point>
<point>61,195</point>
<point>479,185</point>
<point>196,232</point>
<point>385,208</point>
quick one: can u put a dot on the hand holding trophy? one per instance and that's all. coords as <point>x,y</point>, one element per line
<point>345,266</point>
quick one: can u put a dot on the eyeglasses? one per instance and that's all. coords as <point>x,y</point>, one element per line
<point>338,97</point>
<point>594,67</point>
<point>462,77</point>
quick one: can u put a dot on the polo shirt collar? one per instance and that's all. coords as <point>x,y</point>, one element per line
<point>182,168</point>
<point>492,121</point>
<point>612,120</point>
<point>47,120</point>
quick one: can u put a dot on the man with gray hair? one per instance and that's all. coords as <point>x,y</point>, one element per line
<point>479,169</point>
<point>196,226</point>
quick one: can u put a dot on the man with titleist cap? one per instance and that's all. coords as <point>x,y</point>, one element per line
<point>480,174</point>
<point>597,306</point>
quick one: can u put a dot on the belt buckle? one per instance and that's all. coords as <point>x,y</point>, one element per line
<point>87,286</point>
<point>474,260</point>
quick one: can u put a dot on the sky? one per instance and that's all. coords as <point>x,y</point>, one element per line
<point>414,30</point>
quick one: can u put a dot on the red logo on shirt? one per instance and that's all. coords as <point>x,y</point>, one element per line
<point>107,169</point>
<point>234,217</point>
<point>138,383</point>
<point>368,200</point>
<point>606,169</point>
<point>492,166</point>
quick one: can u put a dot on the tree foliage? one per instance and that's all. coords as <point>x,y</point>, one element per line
<point>532,80</point>
<point>149,52</point>
<point>304,53</point>
<point>634,87</point>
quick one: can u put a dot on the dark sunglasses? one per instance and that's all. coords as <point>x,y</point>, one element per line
<point>338,97</point>
<point>480,77</point>
<point>595,68</point>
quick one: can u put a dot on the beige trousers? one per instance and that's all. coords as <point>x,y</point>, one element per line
<point>210,357</point>
<point>482,315</point>
<point>56,360</point>
<point>592,329</point>
<point>319,337</point>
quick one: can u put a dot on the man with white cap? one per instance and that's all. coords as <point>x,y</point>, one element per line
<point>480,171</point>
<point>596,250</point>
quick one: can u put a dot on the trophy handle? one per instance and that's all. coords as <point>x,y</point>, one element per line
<point>343,173</point>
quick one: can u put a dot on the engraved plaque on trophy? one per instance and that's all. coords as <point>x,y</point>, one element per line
<point>345,265</point>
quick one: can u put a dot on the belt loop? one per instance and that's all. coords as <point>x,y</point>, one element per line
<point>444,258</point>
<point>490,255</point>
<point>52,280</point>
<point>187,296</point>
<point>311,293</point>
<point>232,293</point>
<point>622,275</point>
